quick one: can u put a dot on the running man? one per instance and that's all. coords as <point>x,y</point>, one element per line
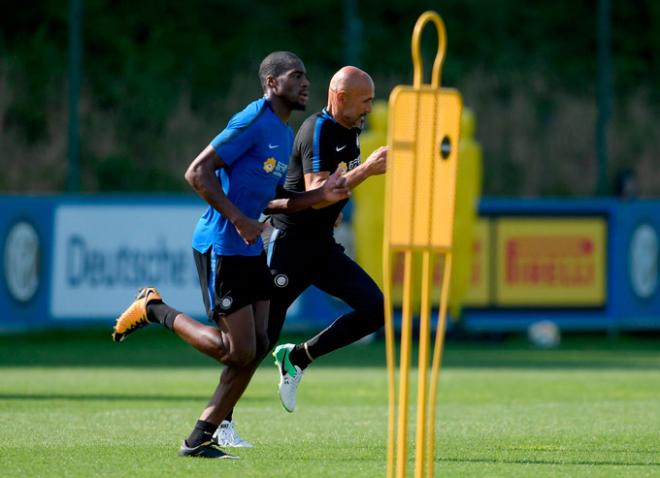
<point>238,174</point>
<point>303,251</point>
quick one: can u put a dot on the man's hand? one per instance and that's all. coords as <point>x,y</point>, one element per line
<point>249,229</point>
<point>376,163</point>
<point>335,187</point>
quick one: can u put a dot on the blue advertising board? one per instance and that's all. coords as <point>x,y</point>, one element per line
<point>78,260</point>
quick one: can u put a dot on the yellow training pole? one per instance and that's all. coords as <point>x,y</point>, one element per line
<point>423,363</point>
<point>437,360</point>
<point>404,366</point>
<point>390,357</point>
<point>442,45</point>
<point>423,136</point>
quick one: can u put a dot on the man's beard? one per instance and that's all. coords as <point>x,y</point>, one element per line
<point>296,105</point>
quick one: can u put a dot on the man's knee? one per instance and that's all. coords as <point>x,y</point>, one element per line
<point>217,345</point>
<point>373,303</point>
<point>241,356</point>
<point>374,311</point>
<point>379,304</point>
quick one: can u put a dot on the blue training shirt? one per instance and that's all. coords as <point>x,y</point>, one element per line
<point>255,146</point>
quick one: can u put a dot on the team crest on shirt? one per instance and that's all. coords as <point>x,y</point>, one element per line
<point>281,280</point>
<point>269,164</point>
<point>342,166</point>
<point>226,302</point>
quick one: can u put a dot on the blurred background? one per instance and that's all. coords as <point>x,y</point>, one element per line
<point>104,103</point>
<point>159,79</point>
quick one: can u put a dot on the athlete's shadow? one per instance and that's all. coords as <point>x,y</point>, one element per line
<point>103,397</point>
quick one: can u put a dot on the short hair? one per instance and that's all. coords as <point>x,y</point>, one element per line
<point>277,63</point>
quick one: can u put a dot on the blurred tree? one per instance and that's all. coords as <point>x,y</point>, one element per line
<point>528,67</point>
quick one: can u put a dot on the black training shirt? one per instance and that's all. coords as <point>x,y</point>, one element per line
<point>321,144</point>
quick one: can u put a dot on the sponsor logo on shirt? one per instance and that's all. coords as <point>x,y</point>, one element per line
<point>347,167</point>
<point>277,168</point>
<point>280,169</point>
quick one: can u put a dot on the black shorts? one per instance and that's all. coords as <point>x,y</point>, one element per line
<point>229,283</point>
<point>298,260</point>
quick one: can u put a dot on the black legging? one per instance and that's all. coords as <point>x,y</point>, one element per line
<point>297,262</point>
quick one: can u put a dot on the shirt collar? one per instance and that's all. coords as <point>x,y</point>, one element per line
<point>325,114</point>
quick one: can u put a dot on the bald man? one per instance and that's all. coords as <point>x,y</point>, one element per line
<point>302,250</point>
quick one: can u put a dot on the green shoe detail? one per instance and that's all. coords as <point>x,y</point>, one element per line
<point>281,354</point>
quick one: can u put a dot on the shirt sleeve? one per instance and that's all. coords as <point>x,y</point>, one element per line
<point>315,148</point>
<point>233,141</point>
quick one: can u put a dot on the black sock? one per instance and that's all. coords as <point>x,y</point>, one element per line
<point>159,311</point>
<point>230,415</point>
<point>299,357</point>
<point>202,432</point>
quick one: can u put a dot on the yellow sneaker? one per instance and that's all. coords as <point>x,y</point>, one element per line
<point>135,316</point>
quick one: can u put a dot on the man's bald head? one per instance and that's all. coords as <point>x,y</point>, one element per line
<point>350,96</point>
<point>350,78</point>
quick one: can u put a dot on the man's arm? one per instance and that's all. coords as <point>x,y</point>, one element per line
<point>375,164</point>
<point>201,176</point>
<point>332,190</point>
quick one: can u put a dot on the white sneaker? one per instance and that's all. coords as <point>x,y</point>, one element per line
<point>290,376</point>
<point>227,436</point>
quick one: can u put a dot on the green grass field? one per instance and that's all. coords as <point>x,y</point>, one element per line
<point>75,404</point>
